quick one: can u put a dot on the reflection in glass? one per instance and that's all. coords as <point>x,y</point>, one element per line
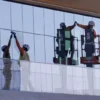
<point>79,31</point>
<point>5,15</point>
<point>27,18</point>
<point>49,45</point>
<point>16,16</point>
<point>38,20</point>
<point>59,17</point>
<point>49,22</point>
<point>29,39</point>
<point>39,48</point>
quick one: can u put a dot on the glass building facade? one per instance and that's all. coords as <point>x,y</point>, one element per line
<point>37,27</point>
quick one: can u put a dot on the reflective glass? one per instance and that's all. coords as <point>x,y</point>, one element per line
<point>29,39</point>
<point>59,17</point>
<point>78,30</point>
<point>38,20</point>
<point>39,48</point>
<point>5,15</point>
<point>16,16</point>
<point>69,20</point>
<point>49,45</point>
<point>49,22</point>
<point>27,18</point>
<point>86,20</point>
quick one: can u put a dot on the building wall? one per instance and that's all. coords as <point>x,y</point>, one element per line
<point>37,27</point>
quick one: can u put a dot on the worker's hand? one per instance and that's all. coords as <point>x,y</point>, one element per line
<point>13,33</point>
<point>75,23</point>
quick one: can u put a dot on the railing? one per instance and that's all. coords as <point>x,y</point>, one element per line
<point>39,77</point>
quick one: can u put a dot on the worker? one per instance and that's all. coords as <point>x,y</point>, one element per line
<point>90,35</point>
<point>23,50</point>
<point>7,65</point>
<point>69,28</point>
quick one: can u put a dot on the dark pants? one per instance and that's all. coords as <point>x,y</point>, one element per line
<point>7,75</point>
<point>89,49</point>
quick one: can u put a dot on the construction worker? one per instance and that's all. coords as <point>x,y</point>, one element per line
<point>69,28</point>
<point>90,35</point>
<point>23,50</point>
<point>7,65</point>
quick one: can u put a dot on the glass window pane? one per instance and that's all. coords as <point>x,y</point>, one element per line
<point>16,17</point>
<point>87,19</point>
<point>79,31</point>
<point>97,25</point>
<point>39,48</point>
<point>29,39</point>
<point>59,17</point>
<point>5,36</point>
<point>97,29</point>
<point>27,18</point>
<point>49,22</point>
<point>49,45</point>
<point>16,52</point>
<point>5,15</point>
<point>69,20</point>
<point>38,20</point>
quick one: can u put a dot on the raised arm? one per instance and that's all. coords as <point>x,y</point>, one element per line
<point>82,26</point>
<point>9,43</point>
<point>94,34</point>
<point>18,45</point>
<point>71,27</point>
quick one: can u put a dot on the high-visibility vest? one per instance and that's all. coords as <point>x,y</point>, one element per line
<point>25,56</point>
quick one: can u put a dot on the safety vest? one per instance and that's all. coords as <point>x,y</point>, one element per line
<point>6,59</point>
<point>89,36</point>
<point>25,56</point>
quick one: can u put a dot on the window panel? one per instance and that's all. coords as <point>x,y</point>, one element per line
<point>39,48</point>
<point>5,15</point>
<point>49,22</point>
<point>79,31</point>
<point>97,24</point>
<point>97,29</point>
<point>16,16</point>
<point>16,52</point>
<point>29,39</point>
<point>49,45</point>
<point>5,36</point>
<point>59,17</point>
<point>38,20</point>
<point>87,19</point>
<point>27,18</point>
<point>80,53</point>
<point>69,20</point>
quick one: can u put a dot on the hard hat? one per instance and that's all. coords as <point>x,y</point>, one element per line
<point>62,24</point>
<point>91,23</point>
<point>3,47</point>
<point>26,47</point>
